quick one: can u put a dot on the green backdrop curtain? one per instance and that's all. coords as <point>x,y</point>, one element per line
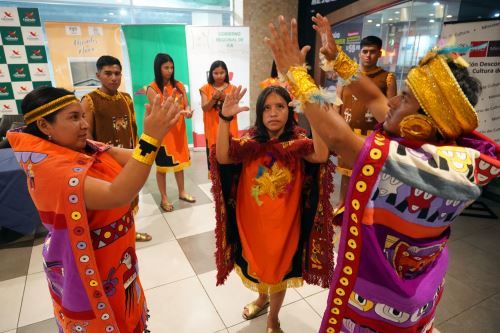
<point>143,43</point>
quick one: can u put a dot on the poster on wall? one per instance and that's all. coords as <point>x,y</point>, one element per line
<point>206,45</point>
<point>74,64</point>
<point>484,65</point>
<point>23,59</point>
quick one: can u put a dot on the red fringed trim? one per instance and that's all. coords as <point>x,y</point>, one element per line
<point>320,270</point>
<point>247,148</point>
<point>224,259</point>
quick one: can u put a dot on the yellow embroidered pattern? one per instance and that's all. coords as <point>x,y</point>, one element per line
<point>273,182</point>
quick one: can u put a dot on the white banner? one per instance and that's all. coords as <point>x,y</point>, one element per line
<point>206,45</point>
<point>485,65</point>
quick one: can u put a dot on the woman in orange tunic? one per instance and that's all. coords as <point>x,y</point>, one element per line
<point>271,189</point>
<point>212,98</point>
<point>173,155</point>
<point>89,252</point>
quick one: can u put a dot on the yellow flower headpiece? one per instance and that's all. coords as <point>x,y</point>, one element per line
<point>49,108</point>
<point>440,95</point>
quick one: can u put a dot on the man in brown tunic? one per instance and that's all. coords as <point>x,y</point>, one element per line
<point>110,113</point>
<point>355,113</point>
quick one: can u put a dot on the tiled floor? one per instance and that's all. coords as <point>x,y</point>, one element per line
<point>178,274</point>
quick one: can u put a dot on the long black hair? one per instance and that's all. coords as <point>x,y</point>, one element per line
<point>160,59</point>
<point>261,131</point>
<point>38,97</point>
<point>217,64</point>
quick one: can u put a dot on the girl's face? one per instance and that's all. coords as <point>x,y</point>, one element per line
<point>167,69</point>
<point>219,75</point>
<point>275,115</point>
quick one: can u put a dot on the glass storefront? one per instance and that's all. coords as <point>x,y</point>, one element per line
<point>408,30</point>
<point>218,12</point>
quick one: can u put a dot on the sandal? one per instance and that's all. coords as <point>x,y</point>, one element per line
<point>187,198</point>
<point>142,237</point>
<point>167,207</point>
<point>275,330</point>
<point>253,310</point>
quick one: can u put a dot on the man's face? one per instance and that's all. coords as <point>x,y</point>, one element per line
<point>110,77</point>
<point>400,106</point>
<point>368,56</point>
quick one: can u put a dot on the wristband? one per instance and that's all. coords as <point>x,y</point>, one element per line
<point>225,118</point>
<point>305,90</point>
<point>145,150</point>
<point>344,66</point>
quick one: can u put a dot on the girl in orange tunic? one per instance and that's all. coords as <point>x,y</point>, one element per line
<point>212,98</point>
<point>271,190</point>
<point>173,155</point>
<point>89,252</point>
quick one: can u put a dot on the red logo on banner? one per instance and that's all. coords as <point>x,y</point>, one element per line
<point>37,52</point>
<point>39,69</point>
<point>481,52</point>
<point>33,33</point>
<point>16,52</point>
<point>8,14</point>
<point>12,34</point>
<point>3,89</point>
<point>20,70</point>
<point>23,88</point>
<point>29,15</point>
<point>6,106</point>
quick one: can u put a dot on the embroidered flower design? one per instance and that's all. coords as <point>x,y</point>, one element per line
<point>272,181</point>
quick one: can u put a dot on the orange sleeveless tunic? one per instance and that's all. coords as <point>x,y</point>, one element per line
<point>211,117</point>
<point>173,154</point>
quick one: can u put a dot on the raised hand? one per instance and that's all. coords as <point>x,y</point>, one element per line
<point>216,95</point>
<point>231,105</point>
<point>285,46</point>
<point>188,113</point>
<point>328,45</point>
<point>160,116</point>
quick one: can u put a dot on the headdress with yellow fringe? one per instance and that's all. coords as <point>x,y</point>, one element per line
<point>48,108</point>
<point>439,93</point>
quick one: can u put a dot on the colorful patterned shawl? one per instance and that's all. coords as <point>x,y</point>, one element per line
<point>402,199</point>
<point>89,256</point>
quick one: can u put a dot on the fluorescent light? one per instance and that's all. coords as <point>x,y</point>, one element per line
<point>496,14</point>
<point>436,3</point>
<point>390,19</point>
<point>436,36</point>
<point>111,14</point>
<point>369,21</point>
<point>449,16</point>
<point>377,25</point>
<point>431,21</point>
<point>105,20</point>
<point>123,12</point>
<point>396,12</point>
<point>431,14</point>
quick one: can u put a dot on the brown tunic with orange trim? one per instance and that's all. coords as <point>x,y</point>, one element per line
<point>358,116</point>
<point>114,118</point>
